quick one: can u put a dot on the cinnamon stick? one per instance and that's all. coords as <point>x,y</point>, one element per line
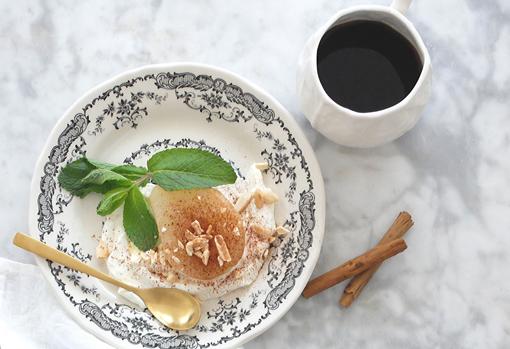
<point>354,266</point>
<point>397,230</point>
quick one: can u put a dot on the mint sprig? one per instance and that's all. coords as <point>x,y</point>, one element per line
<point>172,169</point>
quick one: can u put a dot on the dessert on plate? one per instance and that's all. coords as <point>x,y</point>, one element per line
<point>187,220</point>
<point>211,241</point>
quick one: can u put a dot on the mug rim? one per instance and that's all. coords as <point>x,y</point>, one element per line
<point>419,45</point>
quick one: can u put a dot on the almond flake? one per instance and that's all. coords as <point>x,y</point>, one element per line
<point>176,260</point>
<point>258,198</point>
<point>220,261</point>
<point>281,231</point>
<point>180,245</point>
<point>189,248</point>
<point>171,277</point>
<point>243,202</point>
<point>209,230</point>
<point>264,255</point>
<point>162,259</point>
<point>269,197</point>
<point>196,226</point>
<point>189,235</point>
<point>261,166</point>
<point>264,197</point>
<point>222,248</point>
<point>205,257</point>
<point>176,249</point>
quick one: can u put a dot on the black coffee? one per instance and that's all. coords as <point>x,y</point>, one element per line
<point>367,66</point>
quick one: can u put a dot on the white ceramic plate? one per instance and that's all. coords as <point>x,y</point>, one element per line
<point>127,119</point>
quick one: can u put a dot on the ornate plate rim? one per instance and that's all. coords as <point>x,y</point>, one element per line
<point>320,207</point>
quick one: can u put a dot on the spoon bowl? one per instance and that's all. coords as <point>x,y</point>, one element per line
<point>176,309</point>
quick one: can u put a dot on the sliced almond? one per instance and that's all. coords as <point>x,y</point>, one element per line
<point>196,227</point>
<point>180,244</point>
<point>223,252</point>
<point>264,197</point>
<point>258,198</point>
<point>281,231</point>
<point>162,259</point>
<point>200,244</point>
<point>220,261</point>
<point>153,256</point>
<point>189,248</point>
<point>176,260</point>
<point>176,249</point>
<point>189,235</point>
<point>264,255</point>
<point>205,257</point>
<point>171,277</point>
<point>262,166</point>
<point>209,230</point>
<point>242,202</point>
<point>269,197</point>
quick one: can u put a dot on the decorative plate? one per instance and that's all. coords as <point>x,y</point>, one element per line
<point>127,119</point>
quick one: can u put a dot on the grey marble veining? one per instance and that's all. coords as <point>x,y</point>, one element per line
<point>450,289</point>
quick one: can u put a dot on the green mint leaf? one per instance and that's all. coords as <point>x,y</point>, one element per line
<point>139,224</point>
<point>103,165</point>
<point>70,177</point>
<point>101,176</point>
<point>131,172</point>
<point>112,200</point>
<point>181,168</point>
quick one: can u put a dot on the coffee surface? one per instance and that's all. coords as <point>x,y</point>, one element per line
<point>367,66</point>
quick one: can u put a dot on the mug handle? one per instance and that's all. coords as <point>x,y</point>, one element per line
<point>401,5</point>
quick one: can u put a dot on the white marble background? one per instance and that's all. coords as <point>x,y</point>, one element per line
<point>450,289</point>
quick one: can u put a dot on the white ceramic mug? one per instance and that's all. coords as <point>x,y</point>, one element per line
<point>348,127</point>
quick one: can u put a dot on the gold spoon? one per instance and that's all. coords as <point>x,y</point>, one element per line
<point>175,308</point>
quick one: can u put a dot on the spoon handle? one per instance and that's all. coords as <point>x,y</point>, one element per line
<point>32,245</point>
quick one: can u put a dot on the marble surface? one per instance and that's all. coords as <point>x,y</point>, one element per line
<point>450,289</point>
